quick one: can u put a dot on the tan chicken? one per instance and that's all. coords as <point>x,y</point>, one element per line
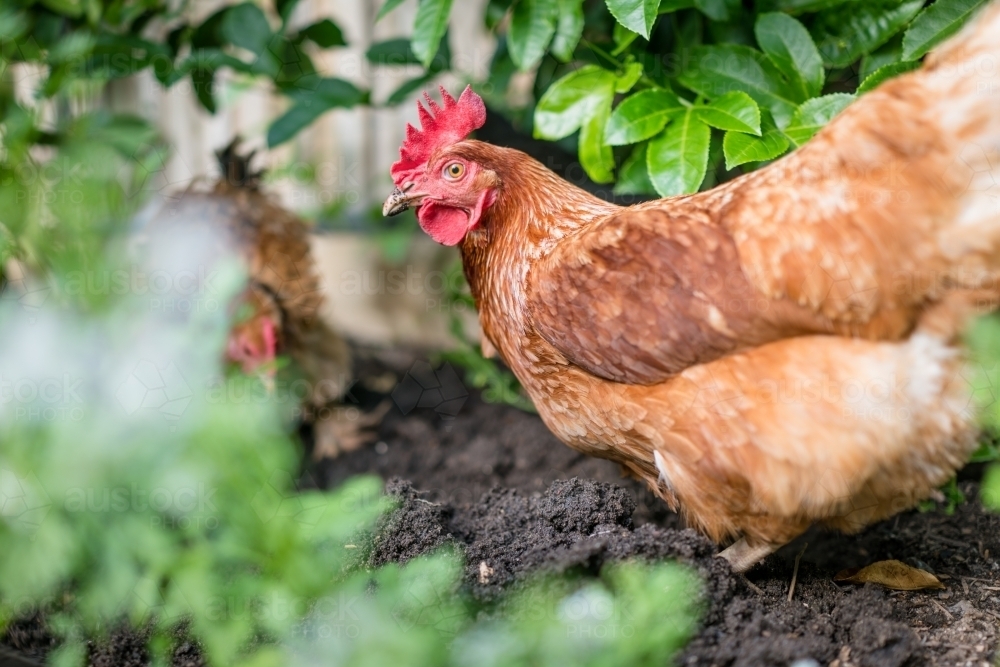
<point>278,312</point>
<point>777,352</point>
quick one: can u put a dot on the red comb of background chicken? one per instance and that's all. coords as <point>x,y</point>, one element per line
<point>439,126</point>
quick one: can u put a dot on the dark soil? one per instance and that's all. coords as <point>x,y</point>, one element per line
<point>495,482</point>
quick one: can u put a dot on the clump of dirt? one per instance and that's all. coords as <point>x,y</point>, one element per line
<point>29,636</point>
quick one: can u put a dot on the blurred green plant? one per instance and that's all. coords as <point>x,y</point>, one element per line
<point>71,174</point>
<point>633,614</point>
<point>951,497</point>
<point>163,496</point>
<point>985,377</point>
<point>139,486</point>
<point>102,40</point>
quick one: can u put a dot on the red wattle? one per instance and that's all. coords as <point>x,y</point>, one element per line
<point>444,224</point>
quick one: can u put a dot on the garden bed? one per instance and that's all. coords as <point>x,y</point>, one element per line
<point>495,482</point>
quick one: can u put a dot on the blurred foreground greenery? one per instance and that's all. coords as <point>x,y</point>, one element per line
<point>141,486</point>
<point>984,373</point>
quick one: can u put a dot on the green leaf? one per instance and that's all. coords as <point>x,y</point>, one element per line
<point>887,54</point>
<point>814,114</point>
<point>387,7</point>
<point>935,24</point>
<point>245,25</point>
<point>596,158</point>
<point>633,179</point>
<point>677,158</point>
<point>788,44</point>
<point>311,101</point>
<point>716,70</point>
<point>668,6</point>
<point>428,28</point>
<point>636,15</point>
<point>209,33</point>
<point>623,38</point>
<point>285,8</point>
<point>325,34</point>
<point>800,6</point>
<point>735,112</point>
<point>628,78</point>
<point>398,52</point>
<point>330,91</point>
<point>75,46</point>
<point>717,10</point>
<point>203,81</point>
<point>569,29</point>
<point>392,52</point>
<point>874,79</point>
<point>845,34</point>
<point>640,116</point>
<point>71,8</point>
<point>496,10</point>
<point>403,93</point>
<point>571,100</point>
<point>740,148</point>
<point>532,26</point>
<point>294,120</point>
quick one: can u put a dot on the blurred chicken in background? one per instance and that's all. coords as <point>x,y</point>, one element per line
<point>278,313</point>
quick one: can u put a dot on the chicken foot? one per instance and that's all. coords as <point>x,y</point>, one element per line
<point>742,556</point>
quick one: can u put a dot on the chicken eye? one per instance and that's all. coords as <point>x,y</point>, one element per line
<point>454,170</point>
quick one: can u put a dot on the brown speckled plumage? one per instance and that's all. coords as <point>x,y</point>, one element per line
<point>781,350</point>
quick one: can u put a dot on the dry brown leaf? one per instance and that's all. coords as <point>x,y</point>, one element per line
<point>892,574</point>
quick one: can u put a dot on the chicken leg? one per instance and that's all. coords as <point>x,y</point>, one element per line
<point>742,556</point>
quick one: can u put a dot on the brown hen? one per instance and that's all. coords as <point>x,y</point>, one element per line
<point>776,352</point>
<point>278,312</point>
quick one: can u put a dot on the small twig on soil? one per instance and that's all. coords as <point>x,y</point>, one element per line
<point>950,542</point>
<point>943,610</point>
<point>795,572</point>
<point>756,589</point>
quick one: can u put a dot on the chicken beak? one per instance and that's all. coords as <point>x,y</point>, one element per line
<point>397,202</point>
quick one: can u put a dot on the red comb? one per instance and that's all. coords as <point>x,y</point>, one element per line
<point>439,126</point>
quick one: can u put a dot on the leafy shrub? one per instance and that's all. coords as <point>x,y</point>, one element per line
<point>694,88</point>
